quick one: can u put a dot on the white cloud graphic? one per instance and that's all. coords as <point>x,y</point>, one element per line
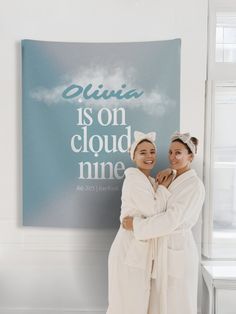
<point>152,102</point>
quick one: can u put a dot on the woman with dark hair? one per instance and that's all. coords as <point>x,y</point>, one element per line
<point>175,271</point>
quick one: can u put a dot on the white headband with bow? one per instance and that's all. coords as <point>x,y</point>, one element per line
<point>185,138</point>
<point>139,137</point>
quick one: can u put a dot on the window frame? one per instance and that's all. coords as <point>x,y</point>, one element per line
<point>221,246</point>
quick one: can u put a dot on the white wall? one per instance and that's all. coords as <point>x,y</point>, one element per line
<point>65,271</point>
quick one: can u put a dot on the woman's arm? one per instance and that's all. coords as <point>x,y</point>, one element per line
<point>179,208</point>
<point>142,198</point>
<point>136,195</point>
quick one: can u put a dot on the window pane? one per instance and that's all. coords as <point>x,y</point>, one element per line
<point>226,35</point>
<point>219,35</point>
<point>229,52</point>
<point>224,176</point>
<point>230,35</point>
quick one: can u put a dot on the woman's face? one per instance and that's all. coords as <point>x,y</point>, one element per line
<point>179,156</point>
<point>145,156</point>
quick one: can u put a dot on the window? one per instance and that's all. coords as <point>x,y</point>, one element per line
<point>224,151</point>
<point>225,38</point>
<point>219,237</point>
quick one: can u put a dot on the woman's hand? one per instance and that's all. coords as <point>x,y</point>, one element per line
<point>167,180</point>
<point>163,175</point>
<point>166,176</point>
<point>127,223</point>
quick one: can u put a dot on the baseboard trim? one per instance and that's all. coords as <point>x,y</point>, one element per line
<point>53,311</point>
<point>50,311</point>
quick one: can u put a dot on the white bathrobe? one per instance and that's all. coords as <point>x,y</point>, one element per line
<point>130,260</point>
<point>174,287</point>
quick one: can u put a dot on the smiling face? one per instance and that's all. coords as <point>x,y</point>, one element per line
<point>145,156</point>
<point>179,157</point>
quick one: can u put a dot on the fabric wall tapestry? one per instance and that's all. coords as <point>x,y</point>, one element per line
<point>81,104</point>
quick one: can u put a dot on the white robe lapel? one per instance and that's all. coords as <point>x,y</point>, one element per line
<point>180,180</point>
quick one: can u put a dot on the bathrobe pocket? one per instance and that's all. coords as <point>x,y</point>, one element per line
<point>175,263</point>
<point>137,254</point>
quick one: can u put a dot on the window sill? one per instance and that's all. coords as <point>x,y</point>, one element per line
<point>222,273</point>
<point>220,281</point>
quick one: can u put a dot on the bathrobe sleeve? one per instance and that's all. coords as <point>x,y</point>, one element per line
<point>137,197</point>
<point>183,206</point>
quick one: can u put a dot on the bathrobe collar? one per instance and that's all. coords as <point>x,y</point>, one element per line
<point>180,179</point>
<point>136,172</point>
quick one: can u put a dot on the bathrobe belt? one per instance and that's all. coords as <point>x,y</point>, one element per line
<point>159,271</point>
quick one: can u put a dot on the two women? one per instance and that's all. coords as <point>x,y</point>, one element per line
<point>171,258</point>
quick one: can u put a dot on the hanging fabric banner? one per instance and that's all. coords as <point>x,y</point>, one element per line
<point>81,104</point>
